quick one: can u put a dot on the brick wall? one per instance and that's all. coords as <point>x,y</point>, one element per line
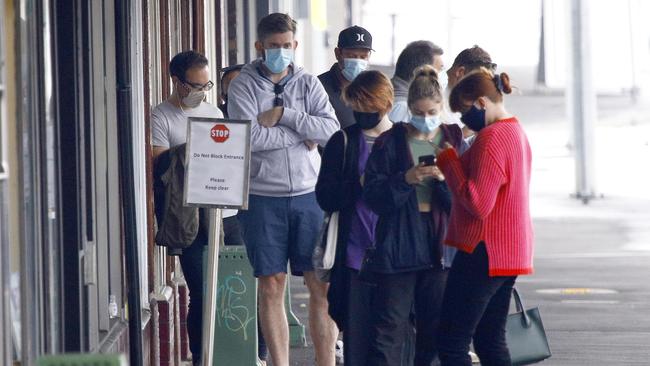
<point>169,341</point>
<point>162,305</point>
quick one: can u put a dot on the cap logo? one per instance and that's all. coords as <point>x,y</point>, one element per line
<point>360,37</point>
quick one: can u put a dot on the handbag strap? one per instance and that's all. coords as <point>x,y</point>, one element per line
<point>519,304</point>
<point>345,150</point>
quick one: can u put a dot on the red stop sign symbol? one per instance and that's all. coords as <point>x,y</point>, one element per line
<point>219,133</point>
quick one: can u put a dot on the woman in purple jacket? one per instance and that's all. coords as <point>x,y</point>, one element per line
<point>370,96</point>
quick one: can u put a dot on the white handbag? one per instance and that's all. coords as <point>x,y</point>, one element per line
<point>330,241</point>
<point>324,253</point>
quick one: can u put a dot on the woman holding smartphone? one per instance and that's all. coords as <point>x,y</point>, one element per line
<point>490,222</point>
<point>408,263</point>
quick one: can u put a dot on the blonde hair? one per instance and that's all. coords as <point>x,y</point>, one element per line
<point>424,84</point>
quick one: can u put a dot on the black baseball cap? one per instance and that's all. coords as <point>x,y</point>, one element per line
<point>355,37</point>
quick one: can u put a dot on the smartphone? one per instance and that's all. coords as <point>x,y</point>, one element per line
<point>427,160</point>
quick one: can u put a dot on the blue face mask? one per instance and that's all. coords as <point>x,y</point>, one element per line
<point>443,80</point>
<point>278,59</point>
<point>425,124</point>
<point>474,118</point>
<point>353,67</point>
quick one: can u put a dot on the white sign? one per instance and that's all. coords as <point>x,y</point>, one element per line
<point>218,160</point>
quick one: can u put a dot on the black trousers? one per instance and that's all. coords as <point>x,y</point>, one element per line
<point>392,300</point>
<point>192,265</point>
<point>355,338</point>
<point>475,307</point>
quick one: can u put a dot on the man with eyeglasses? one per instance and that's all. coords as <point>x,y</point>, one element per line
<point>190,76</point>
<point>191,79</point>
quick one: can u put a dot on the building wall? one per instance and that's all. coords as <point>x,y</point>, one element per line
<point>167,27</point>
<point>12,135</point>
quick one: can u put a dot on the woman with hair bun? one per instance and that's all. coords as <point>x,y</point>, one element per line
<point>490,222</point>
<point>406,189</point>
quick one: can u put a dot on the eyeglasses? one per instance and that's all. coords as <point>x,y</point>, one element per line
<point>200,87</point>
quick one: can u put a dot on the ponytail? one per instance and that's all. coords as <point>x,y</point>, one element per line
<point>502,82</point>
<point>424,84</point>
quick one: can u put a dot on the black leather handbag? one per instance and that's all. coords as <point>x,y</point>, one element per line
<point>525,335</point>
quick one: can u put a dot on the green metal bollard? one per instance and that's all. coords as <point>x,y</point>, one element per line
<point>236,329</point>
<point>235,341</point>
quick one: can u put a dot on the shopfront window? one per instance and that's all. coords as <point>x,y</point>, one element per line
<point>5,322</point>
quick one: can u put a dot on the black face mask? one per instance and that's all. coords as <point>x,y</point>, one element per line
<point>474,118</point>
<point>367,120</point>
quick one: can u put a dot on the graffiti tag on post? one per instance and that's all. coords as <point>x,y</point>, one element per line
<point>231,308</point>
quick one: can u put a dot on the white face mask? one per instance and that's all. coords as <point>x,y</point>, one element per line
<point>193,99</point>
<point>443,80</point>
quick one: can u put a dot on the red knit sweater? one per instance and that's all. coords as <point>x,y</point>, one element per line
<point>489,185</point>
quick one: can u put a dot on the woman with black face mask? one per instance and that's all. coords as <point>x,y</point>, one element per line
<point>370,96</point>
<point>409,263</point>
<point>490,222</point>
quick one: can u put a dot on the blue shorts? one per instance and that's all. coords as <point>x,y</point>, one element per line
<point>278,230</point>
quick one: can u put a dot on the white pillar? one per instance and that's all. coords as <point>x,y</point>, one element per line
<point>581,99</point>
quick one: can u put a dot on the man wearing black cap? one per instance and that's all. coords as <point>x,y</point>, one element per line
<point>352,54</point>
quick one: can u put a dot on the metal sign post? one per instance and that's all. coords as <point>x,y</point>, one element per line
<point>210,298</point>
<point>216,177</point>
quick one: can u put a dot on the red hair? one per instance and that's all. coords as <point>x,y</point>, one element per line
<point>479,83</point>
<point>369,91</point>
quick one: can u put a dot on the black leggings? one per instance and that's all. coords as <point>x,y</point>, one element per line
<point>475,307</point>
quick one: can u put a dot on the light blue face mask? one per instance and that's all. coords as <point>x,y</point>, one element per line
<point>425,124</point>
<point>353,67</point>
<point>443,80</point>
<point>278,59</point>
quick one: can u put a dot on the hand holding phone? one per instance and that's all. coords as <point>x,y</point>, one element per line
<point>427,160</point>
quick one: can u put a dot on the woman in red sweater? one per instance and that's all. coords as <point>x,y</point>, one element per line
<point>490,222</point>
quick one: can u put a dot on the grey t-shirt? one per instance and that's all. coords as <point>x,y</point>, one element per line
<point>169,123</point>
<point>169,126</point>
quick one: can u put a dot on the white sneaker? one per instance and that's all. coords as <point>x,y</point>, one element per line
<point>339,352</point>
<point>474,357</point>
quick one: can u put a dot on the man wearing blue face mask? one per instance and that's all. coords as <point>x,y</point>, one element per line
<point>290,114</point>
<point>352,55</point>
